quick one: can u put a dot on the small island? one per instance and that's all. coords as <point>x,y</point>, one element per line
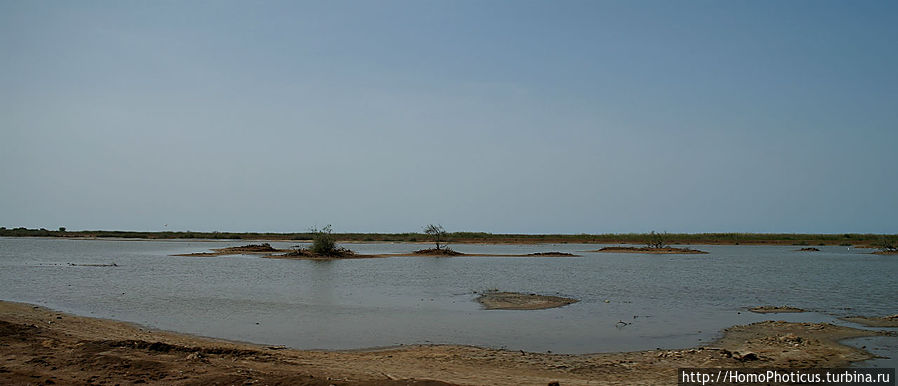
<point>651,250</point>
<point>656,244</point>
<point>310,254</point>
<point>438,251</point>
<point>875,321</point>
<point>886,246</point>
<point>808,249</point>
<point>446,251</point>
<point>496,300</point>
<point>775,309</point>
<point>249,249</point>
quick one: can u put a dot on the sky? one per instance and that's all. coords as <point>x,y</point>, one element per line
<point>495,116</point>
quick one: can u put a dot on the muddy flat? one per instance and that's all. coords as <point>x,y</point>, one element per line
<point>552,254</point>
<point>251,249</point>
<point>874,321</point>
<point>454,254</point>
<point>518,301</point>
<point>775,309</point>
<point>301,256</point>
<point>267,251</point>
<point>654,251</point>
<point>38,345</point>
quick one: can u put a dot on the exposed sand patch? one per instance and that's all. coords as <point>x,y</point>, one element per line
<point>267,251</point>
<point>304,254</point>
<point>249,249</point>
<point>775,309</point>
<point>656,251</point>
<point>437,252</point>
<point>874,321</point>
<point>494,300</point>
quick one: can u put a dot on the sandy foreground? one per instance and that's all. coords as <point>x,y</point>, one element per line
<point>42,346</point>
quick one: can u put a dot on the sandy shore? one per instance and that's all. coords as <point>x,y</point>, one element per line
<point>38,345</point>
<point>495,300</point>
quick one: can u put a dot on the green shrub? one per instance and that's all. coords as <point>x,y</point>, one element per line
<point>325,244</point>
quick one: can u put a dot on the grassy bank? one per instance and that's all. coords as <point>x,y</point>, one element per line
<point>844,239</point>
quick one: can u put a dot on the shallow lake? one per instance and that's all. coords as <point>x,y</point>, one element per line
<point>671,301</point>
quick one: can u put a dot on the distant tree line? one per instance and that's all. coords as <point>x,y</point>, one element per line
<point>844,239</point>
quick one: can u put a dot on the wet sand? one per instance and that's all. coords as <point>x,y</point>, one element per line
<point>874,321</point>
<point>268,252</point>
<point>495,300</point>
<point>39,345</point>
<point>460,254</point>
<point>251,249</point>
<point>321,257</point>
<point>654,251</point>
<point>775,309</point>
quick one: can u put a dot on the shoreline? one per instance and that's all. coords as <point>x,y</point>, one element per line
<point>772,243</point>
<point>854,240</point>
<point>41,344</point>
<point>265,250</point>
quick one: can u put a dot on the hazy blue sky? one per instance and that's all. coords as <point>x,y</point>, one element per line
<point>497,116</point>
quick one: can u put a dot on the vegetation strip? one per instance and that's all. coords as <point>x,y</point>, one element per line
<point>846,239</point>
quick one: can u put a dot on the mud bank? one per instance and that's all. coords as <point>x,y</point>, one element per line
<point>775,309</point>
<point>495,300</point>
<point>874,321</point>
<point>250,249</point>
<point>654,251</point>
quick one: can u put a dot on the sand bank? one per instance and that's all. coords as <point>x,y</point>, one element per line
<point>267,251</point>
<point>874,321</point>
<point>495,300</point>
<point>39,345</point>
<point>250,249</point>
<point>654,251</point>
<point>775,309</point>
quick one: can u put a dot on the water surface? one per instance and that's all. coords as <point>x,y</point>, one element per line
<point>672,301</point>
